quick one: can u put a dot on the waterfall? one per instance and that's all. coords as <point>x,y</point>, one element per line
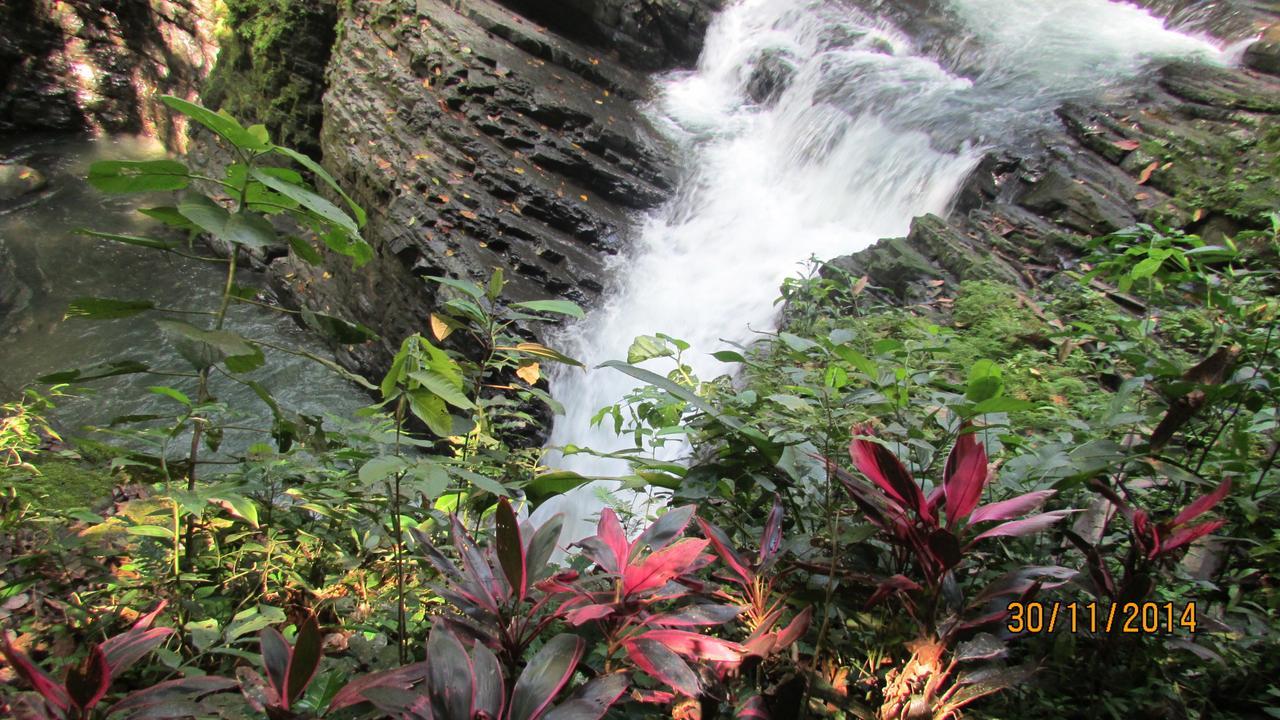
<point>814,128</point>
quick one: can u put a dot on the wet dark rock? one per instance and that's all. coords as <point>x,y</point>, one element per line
<point>18,180</point>
<point>772,71</point>
<point>644,34</point>
<point>1264,55</point>
<point>475,140</point>
<point>13,293</point>
<point>97,64</point>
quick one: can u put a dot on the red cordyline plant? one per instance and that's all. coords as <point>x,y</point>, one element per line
<point>86,683</point>
<point>641,601</point>
<point>934,533</point>
<point>494,594</point>
<point>1151,544</point>
<point>939,529</point>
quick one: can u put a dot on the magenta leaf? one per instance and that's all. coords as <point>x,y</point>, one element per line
<point>664,530</point>
<point>696,616</point>
<point>662,566</point>
<point>1190,535</point>
<point>401,678</point>
<point>609,533</point>
<point>511,549</point>
<point>1011,508</point>
<point>476,568</point>
<point>664,665</point>
<point>548,672</point>
<point>965,477</point>
<point>452,676</point>
<point>167,693</point>
<point>1027,526</point>
<point>695,646</point>
<point>1202,504</point>
<point>796,629</point>
<point>304,659</point>
<point>892,586</point>
<point>730,557</point>
<point>592,701</point>
<point>88,680</point>
<point>587,613</point>
<point>275,660</point>
<point>128,647</point>
<point>888,473</point>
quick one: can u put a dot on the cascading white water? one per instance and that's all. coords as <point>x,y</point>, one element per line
<point>867,134</point>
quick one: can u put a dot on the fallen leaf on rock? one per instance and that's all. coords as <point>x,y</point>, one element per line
<point>1145,175</point>
<point>1126,145</point>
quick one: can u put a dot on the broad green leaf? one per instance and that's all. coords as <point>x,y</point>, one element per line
<point>647,347</point>
<point>985,381</point>
<point>239,506</point>
<point>347,245</point>
<point>246,363</point>
<point>88,308</point>
<point>304,251</point>
<point>1147,267</point>
<point>171,393</point>
<point>790,402</point>
<point>797,343</point>
<point>560,307</point>
<point>203,348</point>
<point>219,122</point>
<point>1002,405</point>
<point>242,228</point>
<point>121,176</point>
<point>145,242</point>
<point>729,356</point>
<point>96,372</point>
<point>325,177</point>
<point>440,386</point>
<point>430,409</point>
<point>465,286</point>
<point>338,330</point>
<point>432,479</point>
<point>381,468</point>
<point>309,200</point>
<point>497,281</point>
<point>170,216</point>
<point>150,531</point>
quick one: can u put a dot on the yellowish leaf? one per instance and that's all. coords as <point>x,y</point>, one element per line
<point>1145,175</point>
<point>439,328</point>
<point>529,373</point>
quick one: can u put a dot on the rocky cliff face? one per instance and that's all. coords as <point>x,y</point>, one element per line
<point>96,64</point>
<point>1197,148</point>
<point>477,139</point>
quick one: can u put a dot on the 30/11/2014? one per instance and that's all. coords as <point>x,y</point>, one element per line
<point>1127,618</point>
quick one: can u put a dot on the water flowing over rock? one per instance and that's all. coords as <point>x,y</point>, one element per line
<point>97,65</point>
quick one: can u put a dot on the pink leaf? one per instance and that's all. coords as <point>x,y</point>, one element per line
<point>52,692</point>
<point>888,473</point>
<point>659,661</point>
<point>609,531</point>
<point>695,646</point>
<point>127,648</point>
<point>796,629</point>
<point>665,565</point>
<point>730,557</point>
<point>1027,526</point>
<point>1190,535</point>
<point>1203,504</point>
<point>892,586</point>
<point>401,678</point>
<point>965,476</point>
<point>1011,508</point>
<point>588,613</point>
<point>88,680</point>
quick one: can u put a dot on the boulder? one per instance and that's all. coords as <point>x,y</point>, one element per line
<point>1264,54</point>
<point>18,180</point>
<point>772,71</point>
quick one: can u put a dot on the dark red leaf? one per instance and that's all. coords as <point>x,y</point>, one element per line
<point>544,676</point>
<point>892,586</point>
<point>944,548</point>
<point>129,647</point>
<point>490,691</point>
<point>664,530</point>
<point>401,678</point>
<point>753,708</point>
<point>720,543</point>
<point>511,549</point>
<point>276,654</point>
<point>664,665</point>
<point>541,546</point>
<point>796,629</point>
<point>696,616</point>
<point>452,676</point>
<point>1011,508</point>
<point>592,701</point>
<point>965,476</point>
<point>884,469</point>
<point>304,659</point>
<point>1190,535</point>
<point>771,538</point>
<point>1027,526</point>
<point>476,568</point>
<point>52,692</point>
<point>1203,504</point>
<point>88,680</point>
<point>662,566</point>
<point>696,646</point>
<point>609,532</point>
<point>171,691</point>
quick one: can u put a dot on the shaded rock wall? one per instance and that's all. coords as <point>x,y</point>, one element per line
<point>476,139</point>
<point>95,64</point>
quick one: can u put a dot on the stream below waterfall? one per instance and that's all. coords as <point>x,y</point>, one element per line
<point>864,132</point>
<point>57,266</point>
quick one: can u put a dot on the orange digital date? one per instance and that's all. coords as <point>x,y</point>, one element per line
<point>1128,618</point>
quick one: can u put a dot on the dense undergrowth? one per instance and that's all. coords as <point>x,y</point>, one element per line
<point>881,509</point>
